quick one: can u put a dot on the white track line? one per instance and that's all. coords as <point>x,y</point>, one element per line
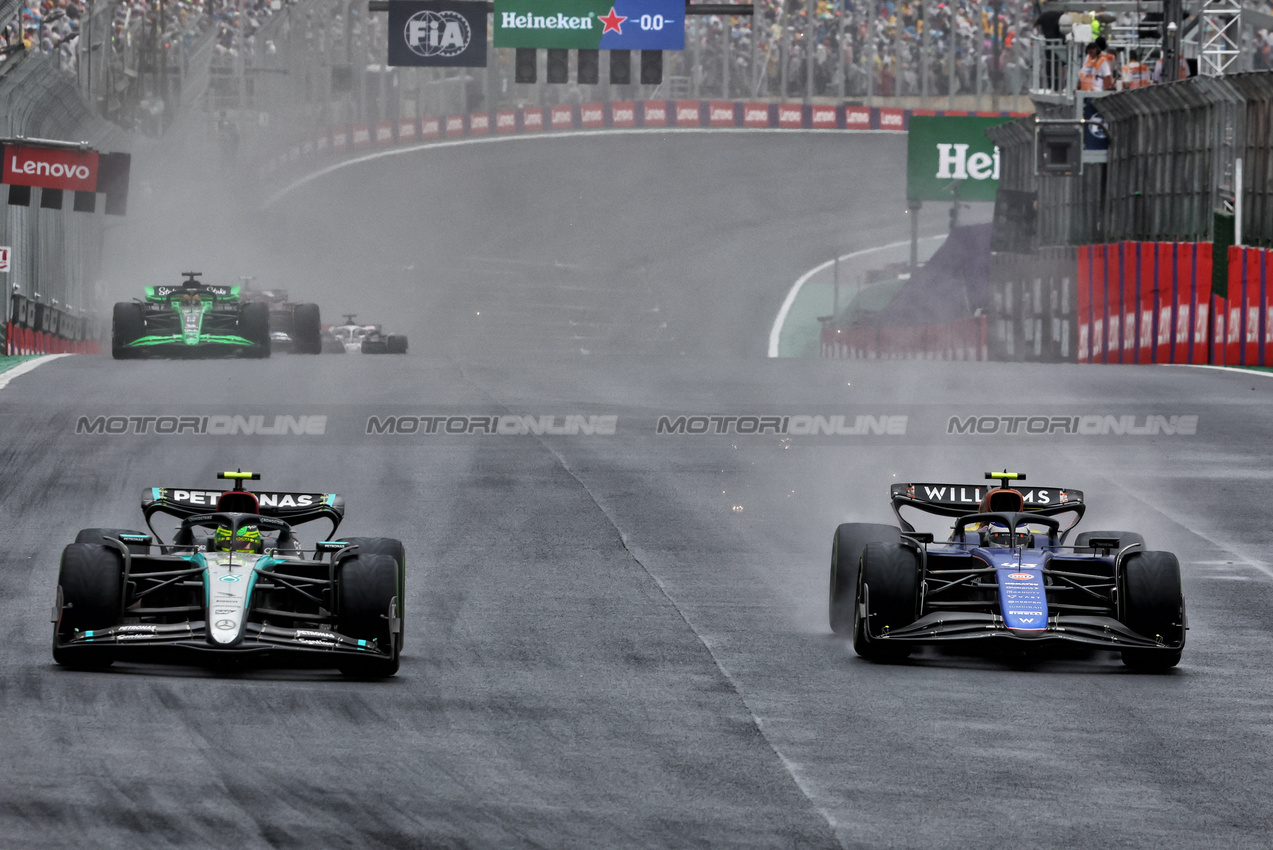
<point>530,137</point>
<point>22,368</point>
<point>776,332</point>
<point>1238,369</point>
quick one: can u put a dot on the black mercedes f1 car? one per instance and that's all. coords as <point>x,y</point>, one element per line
<point>1004,575</point>
<point>235,585</point>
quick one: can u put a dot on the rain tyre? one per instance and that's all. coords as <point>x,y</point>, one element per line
<point>367,587</point>
<point>394,549</point>
<point>90,584</point>
<point>888,590</point>
<point>128,323</point>
<point>1153,606</point>
<point>846,552</point>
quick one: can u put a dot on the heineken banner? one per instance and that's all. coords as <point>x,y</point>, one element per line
<point>591,24</point>
<point>437,32</point>
<point>949,157</point>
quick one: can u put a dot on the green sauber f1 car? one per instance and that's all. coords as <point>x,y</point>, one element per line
<point>193,319</point>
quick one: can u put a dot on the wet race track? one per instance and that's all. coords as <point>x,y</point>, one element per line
<point>620,639</point>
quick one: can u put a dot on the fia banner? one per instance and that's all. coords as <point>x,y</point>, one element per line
<point>445,33</point>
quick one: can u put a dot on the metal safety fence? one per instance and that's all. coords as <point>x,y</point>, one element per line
<point>54,253</point>
<point>1032,317</point>
<point>1186,161</point>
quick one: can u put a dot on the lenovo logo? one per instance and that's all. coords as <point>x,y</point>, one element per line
<point>50,168</point>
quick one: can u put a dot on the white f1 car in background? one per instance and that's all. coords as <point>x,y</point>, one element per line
<point>352,338</point>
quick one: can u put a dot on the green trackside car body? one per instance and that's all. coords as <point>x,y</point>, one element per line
<point>191,319</point>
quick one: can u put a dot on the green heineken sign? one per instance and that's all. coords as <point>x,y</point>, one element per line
<point>591,24</point>
<point>948,157</point>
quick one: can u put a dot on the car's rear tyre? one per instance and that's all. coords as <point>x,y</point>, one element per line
<point>99,536</point>
<point>846,551</point>
<point>307,329</point>
<point>128,324</point>
<point>374,346</point>
<point>367,586</point>
<point>396,344</point>
<point>394,549</point>
<point>1125,539</point>
<point>254,326</point>
<point>1153,606</point>
<point>90,583</point>
<point>888,588</point>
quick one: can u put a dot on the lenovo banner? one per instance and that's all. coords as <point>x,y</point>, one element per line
<point>50,168</point>
<point>447,33</point>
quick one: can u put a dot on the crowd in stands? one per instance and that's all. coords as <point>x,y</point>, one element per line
<point>880,47</point>
<point>54,27</point>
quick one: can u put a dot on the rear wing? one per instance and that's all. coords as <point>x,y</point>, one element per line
<point>292,508</point>
<point>956,500</point>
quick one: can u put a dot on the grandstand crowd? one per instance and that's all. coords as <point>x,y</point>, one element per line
<point>858,47</point>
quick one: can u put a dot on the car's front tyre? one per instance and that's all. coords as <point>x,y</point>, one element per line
<point>90,587</point>
<point>887,597</point>
<point>1153,606</point>
<point>847,543</point>
<point>367,590</point>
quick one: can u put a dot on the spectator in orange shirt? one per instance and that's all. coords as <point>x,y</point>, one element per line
<point>1136,73</point>
<point>1095,75</point>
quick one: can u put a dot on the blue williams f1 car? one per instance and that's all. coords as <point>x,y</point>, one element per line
<point>235,585</point>
<point>1004,574</point>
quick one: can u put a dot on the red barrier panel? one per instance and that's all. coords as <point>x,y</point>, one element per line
<point>1100,303</point>
<point>1251,303</point>
<point>1163,301</point>
<point>1130,262</point>
<point>1148,300</point>
<point>1250,318</point>
<point>1200,332</point>
<point>592,116</point>
<point>623,113</point>
<point>1114,313</point>
<point>1083,302</point>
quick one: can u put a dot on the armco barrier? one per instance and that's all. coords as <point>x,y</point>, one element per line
<point>34,328</point>
<point>962,339</point>
<point>1145,302</point>
<point>701,114</point>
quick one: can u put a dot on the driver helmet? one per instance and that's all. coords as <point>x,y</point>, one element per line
<point>248,539</point>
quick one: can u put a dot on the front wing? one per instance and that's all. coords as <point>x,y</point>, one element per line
<point>174,345</point>
<point>186,642</point>
<point>941,627</point>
